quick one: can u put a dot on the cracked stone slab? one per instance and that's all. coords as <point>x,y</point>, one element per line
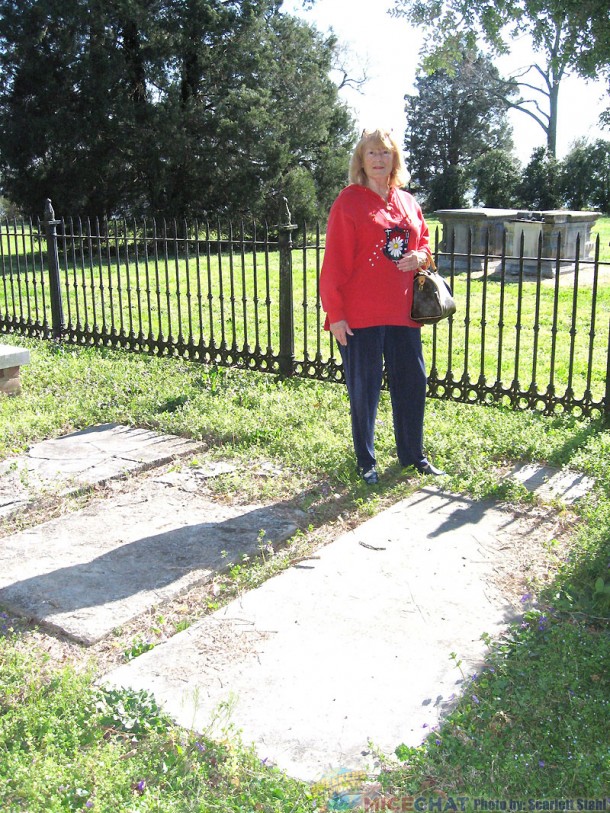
<point>352,646</point>
<point>553,484</point>
<point>84,459</point>
<point>91,571</point>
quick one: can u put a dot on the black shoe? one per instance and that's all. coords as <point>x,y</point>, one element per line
<point>428,468</point>
<point>370,476</point>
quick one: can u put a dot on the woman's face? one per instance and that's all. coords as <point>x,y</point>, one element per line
<point>377,162</point>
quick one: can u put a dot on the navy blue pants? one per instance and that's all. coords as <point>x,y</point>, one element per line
<point>363,358</point>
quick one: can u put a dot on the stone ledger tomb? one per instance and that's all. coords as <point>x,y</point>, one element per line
<point>469,234</point>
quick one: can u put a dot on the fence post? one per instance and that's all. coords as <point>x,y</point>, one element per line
<point>285,228</point>
<point>57,315</point>
<point>607,398</point>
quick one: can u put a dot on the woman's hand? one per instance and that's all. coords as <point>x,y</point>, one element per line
<point>341,330</point>
<point>412,260</point>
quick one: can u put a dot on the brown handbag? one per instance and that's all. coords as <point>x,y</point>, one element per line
<point>432,297</point>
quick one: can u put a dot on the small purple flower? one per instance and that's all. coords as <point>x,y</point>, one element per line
<point>139,787</point>
<point>475,699</point>
<point>200,747</point>
<point>541,763</point>
<point>438,742</point>
<point>425,725</point>
<point>525,598</point>
<point>89,804</point>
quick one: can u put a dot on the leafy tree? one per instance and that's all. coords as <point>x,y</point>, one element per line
<point>175,107</point>
<point>496,175</point>
<point>568,35</point>
<point>214,113</point>
<point>295,120</point>
<point>584,178</point>
<point>8,210</point>
<point>74,101</point>
<point>592,51</point>
<point>452,120</point>
<point>538,189</point>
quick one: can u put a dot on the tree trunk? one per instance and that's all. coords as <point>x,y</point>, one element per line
<point>551,134</point>
<point>135,62</point>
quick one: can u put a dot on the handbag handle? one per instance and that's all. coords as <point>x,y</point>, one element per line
<point>430,264</point>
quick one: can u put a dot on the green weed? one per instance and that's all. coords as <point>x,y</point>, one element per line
<point>68,746</point>
<point>137,648</point>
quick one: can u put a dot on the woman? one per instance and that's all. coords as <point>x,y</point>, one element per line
<point>376,240</point>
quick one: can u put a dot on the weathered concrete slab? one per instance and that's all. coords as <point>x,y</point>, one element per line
<point>550,483</point>
<point>84,459</point>
<point>354,645</point>
<point>11,356</point>
<point>87,573</point>
<point>11,361</point>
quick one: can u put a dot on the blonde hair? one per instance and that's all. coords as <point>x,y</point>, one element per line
<point>399,176</point>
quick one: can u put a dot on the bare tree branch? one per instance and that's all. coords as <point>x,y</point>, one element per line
<point>343,65</point>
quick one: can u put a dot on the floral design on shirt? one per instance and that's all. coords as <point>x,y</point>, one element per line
<point>397,240</point>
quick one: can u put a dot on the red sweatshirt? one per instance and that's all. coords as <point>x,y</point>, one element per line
<point>358,282</point>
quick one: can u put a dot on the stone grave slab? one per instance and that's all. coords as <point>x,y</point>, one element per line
<point>91,571</point>
<point>351,650</point>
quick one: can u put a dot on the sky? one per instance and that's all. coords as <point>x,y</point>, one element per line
<point>389,48</point>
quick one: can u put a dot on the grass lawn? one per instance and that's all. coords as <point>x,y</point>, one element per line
<point>533,725</point>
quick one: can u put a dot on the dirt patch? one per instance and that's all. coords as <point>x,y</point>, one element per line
<point>539,542</point>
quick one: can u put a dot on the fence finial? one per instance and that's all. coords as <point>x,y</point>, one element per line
<point>49,214</point>
<point>285,216</point>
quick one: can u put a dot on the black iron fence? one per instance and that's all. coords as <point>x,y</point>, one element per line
<point>247,295</point>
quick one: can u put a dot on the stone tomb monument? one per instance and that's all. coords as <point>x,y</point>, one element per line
<point>484,224</point>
